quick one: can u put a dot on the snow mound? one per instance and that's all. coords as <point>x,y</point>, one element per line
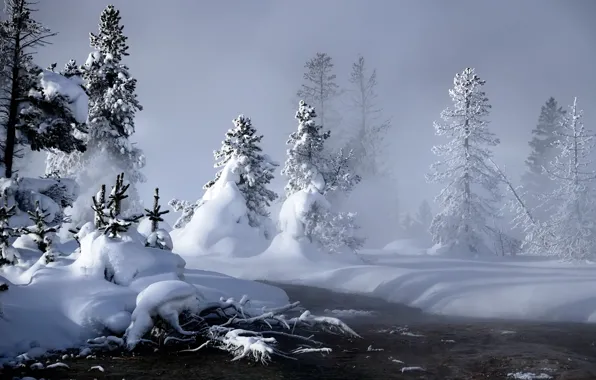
<point>166,300</point>
<point>123,260</point>
<point>294,209</point>
<point>144,227</point>
<point>405,247</point>
<point>220,226</point>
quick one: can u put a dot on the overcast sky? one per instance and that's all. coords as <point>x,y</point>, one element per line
<point>201,63</point>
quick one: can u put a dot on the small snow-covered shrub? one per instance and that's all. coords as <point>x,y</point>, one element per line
<point>124,259</point>
<point>157,237</point>
<point>307,214</point>
<point>39,232</point>
<point>52,194</point>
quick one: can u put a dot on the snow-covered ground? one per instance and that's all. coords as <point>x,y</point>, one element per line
<point>61,304</point>
<point>519,288</point>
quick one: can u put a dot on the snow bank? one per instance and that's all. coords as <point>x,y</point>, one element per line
<point>165,299</point>
<point>60,305</point>
<point>220,226</point>
<point>294,209</point>
<point>123,260</point>
<point>518,288</point>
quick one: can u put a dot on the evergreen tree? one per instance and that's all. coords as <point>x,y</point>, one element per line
<point>31,116</point>
<point>253,168</point>
<point>40,232</point>
<point>187,208</point>
<point>306,162</point>
<point>469,199</point>
<point>320,87</point>
<point>113,105</point>
<point>543,144</point>
<point>108,216</point>
<point>367,143</point>
<point>158,238</point>
<point>572,227</point>
<point>332,231</point>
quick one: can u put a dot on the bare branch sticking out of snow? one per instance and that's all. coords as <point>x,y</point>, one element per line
<point>306,350</point>
<point>225,324</point>
<point>412,369</point>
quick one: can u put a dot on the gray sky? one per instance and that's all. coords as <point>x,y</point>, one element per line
<point>201,63</point>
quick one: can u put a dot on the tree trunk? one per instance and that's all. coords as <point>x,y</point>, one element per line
<point>11,124</point>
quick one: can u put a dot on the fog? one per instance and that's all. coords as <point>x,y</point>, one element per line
<point>199,64</point>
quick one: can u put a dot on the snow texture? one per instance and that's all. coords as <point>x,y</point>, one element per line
<point>54,84</point>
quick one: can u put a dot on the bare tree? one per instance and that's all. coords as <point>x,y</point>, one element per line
<point>320,86</point>
<point>367,143</point>
<point>43,121</point>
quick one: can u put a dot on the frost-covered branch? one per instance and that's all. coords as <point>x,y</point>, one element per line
<point>228,325</point>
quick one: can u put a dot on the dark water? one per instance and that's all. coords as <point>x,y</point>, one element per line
<point>399,337</point>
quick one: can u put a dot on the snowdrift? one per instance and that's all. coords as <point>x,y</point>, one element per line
<point>100,291</point>
<point>515,288</point>
<point>220,226</point>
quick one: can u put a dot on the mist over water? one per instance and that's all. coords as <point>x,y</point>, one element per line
<point>200,64</point>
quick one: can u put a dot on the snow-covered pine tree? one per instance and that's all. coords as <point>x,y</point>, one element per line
<point>306,162</point>
<point>33,116</point>
<point>71,69</point>
<point>109,218</point>
<point>468,202</point>
<point>543,145</point>
<point>113,104</point>
<point>367,143</point>
<point>187,208</point>
<point>39,232</point>
<point>408,225</point>
<point>320,88</point>
<point>158,238</point>
<point>572,226</point>
<point>254,169</point>
<point>333,231</point>
<point>8,254</point>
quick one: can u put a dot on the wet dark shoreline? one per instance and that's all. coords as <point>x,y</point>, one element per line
<point>395,337</point>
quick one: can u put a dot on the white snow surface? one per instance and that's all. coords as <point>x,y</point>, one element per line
<point>483,287</point>
<point>55,84</point>
<point>220,226</point>
<point>60,305</point>
<point>517,288</point>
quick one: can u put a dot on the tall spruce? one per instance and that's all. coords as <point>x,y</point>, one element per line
<point>113,105</point>
<point>320,88</point>
<point>469,200</point>
<point>254,169</point>
<point>572,226</point>
<point>31,116</point>
<point>368,141</point>
<point>544,149</point>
